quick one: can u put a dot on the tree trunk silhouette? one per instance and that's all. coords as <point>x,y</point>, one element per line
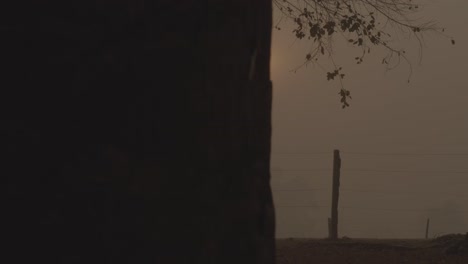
<point>137,131</point>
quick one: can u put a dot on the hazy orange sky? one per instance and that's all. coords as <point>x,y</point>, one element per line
<point>422,124</point>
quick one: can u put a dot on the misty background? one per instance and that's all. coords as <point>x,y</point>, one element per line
<point>404,146</point>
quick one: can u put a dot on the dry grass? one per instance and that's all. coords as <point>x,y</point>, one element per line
<point>368,251</point>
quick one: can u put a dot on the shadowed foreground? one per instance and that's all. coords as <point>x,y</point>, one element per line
<point>136,132</point>
<point>369,251</point>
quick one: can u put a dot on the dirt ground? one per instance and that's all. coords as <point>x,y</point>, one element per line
<point>445,250</point>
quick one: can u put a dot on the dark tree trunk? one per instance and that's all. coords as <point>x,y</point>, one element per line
<point>137,131</point>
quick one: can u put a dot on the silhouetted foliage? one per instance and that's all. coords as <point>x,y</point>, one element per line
<point>363,23</point>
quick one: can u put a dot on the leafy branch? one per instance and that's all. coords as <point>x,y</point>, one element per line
<point>363,23</point>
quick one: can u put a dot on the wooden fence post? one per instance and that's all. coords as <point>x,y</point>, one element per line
<point>335,194</point>
<point>427,228</point>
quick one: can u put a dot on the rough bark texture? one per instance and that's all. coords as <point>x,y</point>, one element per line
<point>136,131</point>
